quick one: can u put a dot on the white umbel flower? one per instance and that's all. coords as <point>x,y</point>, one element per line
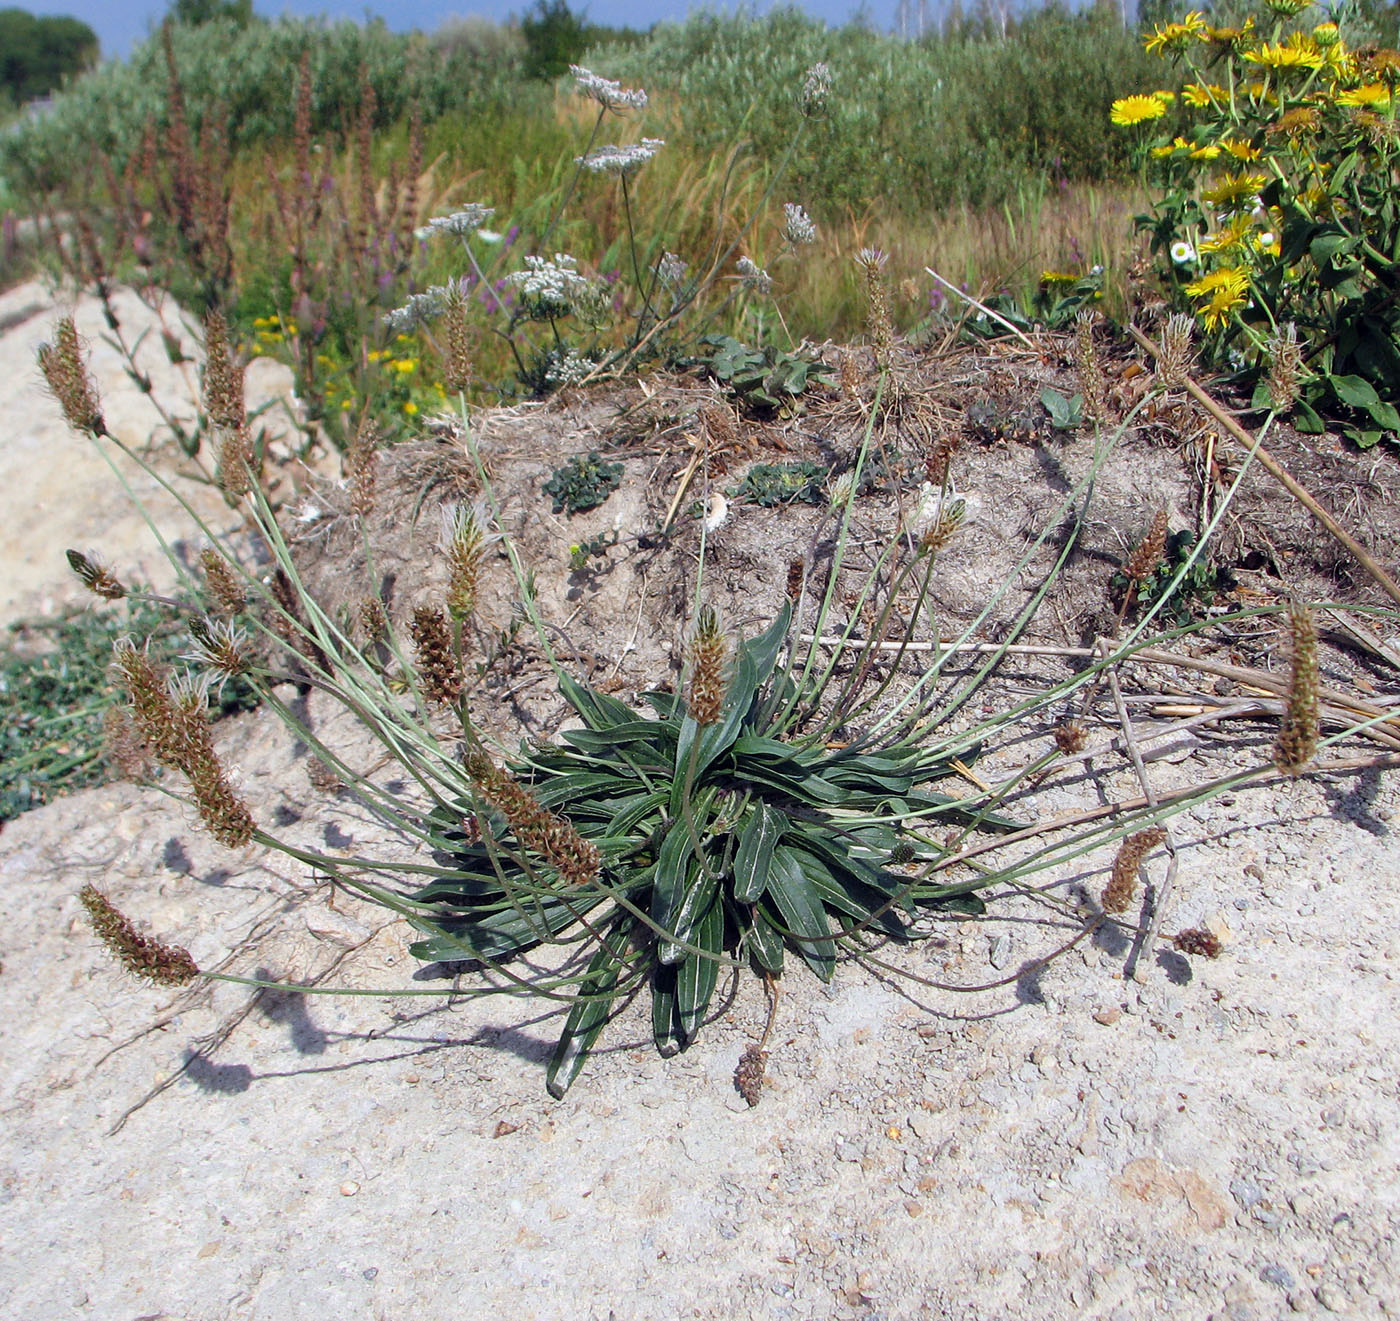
<point>753,276</point>
<point>608,94</point>
<point>798,227</point>
<point>620,160</point>
<point>461,223</point>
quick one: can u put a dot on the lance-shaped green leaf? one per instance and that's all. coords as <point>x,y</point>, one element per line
<point>696,977</point>
<point>699,898</point>
<point>668,887</point>
<point>761,834</point>
<point>589,1016</point>
<point>765,942</point>
<point>802,911</point>
<point>665,1018</point>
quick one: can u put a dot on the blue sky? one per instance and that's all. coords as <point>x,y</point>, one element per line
<point>120,23</point>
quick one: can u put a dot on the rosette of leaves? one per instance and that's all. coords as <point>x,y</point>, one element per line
<point>722,844</point>
<point>763,380</point>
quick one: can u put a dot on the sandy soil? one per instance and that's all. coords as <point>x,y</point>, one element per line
<point>1216,1139</point>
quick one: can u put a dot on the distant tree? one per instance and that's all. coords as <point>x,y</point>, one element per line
<point>37,54</point>
<point>555,37</point>
<point>194,12</point>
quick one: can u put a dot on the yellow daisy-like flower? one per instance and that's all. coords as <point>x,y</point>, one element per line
<point>410,408</point>
<point>1130,110</point>
<point>1058,277</point>
<point>1372,96</point>
<point>1201,95</point>
<point>1177,144</point>
<point>404,366</point>
<point>1176,36</point>
<point>1230,36</point>
<point>1207,153</point>
<point>1233,190</point>
<point>1223,291</point>
<point>1231,236</point>
<point>1326,34</point>
<point>1298,52</point>
<point>1240,149</point>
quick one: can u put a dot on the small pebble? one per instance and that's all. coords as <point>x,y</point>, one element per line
<point>1276,1274</point>
<point>1108,1017</point>
<point>1332,1298</point>
<point>349,1188</point>
<point>1000,954</point>
<point>370,1272</point>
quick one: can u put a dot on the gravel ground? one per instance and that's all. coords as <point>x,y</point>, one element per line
<point>1218,1140</point>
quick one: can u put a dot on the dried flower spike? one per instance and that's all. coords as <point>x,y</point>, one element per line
<point>534,825</point>
<point>124,748</point>
<point>708,653</point>
<point>437,663</point>
<point>1148,554</point>
<point>166,965</point>
<point>1071,737</point>
<point>748,1077</point>
<point>223,376</point>
<point>1122,885</point>
<point>872,263</point>
<point>457,341</point>
<point>1092,384</point>
<point>221,585</point>
<point>68,379</point>
<point>362,462</point>
<point>1198,942</point>
<point>1175,360</point>
<point>1285,367</point>
<point>1297,736</point>
<point>96,577</point>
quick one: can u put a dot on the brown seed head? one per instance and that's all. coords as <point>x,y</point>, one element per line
<point>941,531</point>
<point>1120,889</point>
<point>1148,555</point>
<point>537,829</point>
<point>234,458</point>
<point>223,376</point>
<point>222,588</point>
<point>458,341</point>
<point>68,380</point>
<point>374,622</point>
<point>1177,355</point>
<point>321,777</point>
<point>1198,942</point>
<point>709,650</point>
<point>166,965</point>
<point>96,577</point>
<point>437,663</point>
<point>1296,742</point>
<point>1071,737</point>
<point>795,574</point>
<point>748,1077</point>
<point>1092,384</point>
<point>362,461</point>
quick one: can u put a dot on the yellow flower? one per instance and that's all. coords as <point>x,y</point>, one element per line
<point>1230,36</point>
<point>1298,52</point>
<point>1223,291</point>
<point>1373,96</point>
<point>1058,277</point>
<point>1207,153</point>
<point>1176,36</point>
<point>1201,95</point>
<point>1131,110</point>
<point>1326,34</point>
<point>1240,150</point>
<point>1233,190</point>
<point>1231,236</point>
<point>1166,98</point>
<point>410,408</point>
<point>1177,144</point>
<point>404,366</point>
<point>378,355</point>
